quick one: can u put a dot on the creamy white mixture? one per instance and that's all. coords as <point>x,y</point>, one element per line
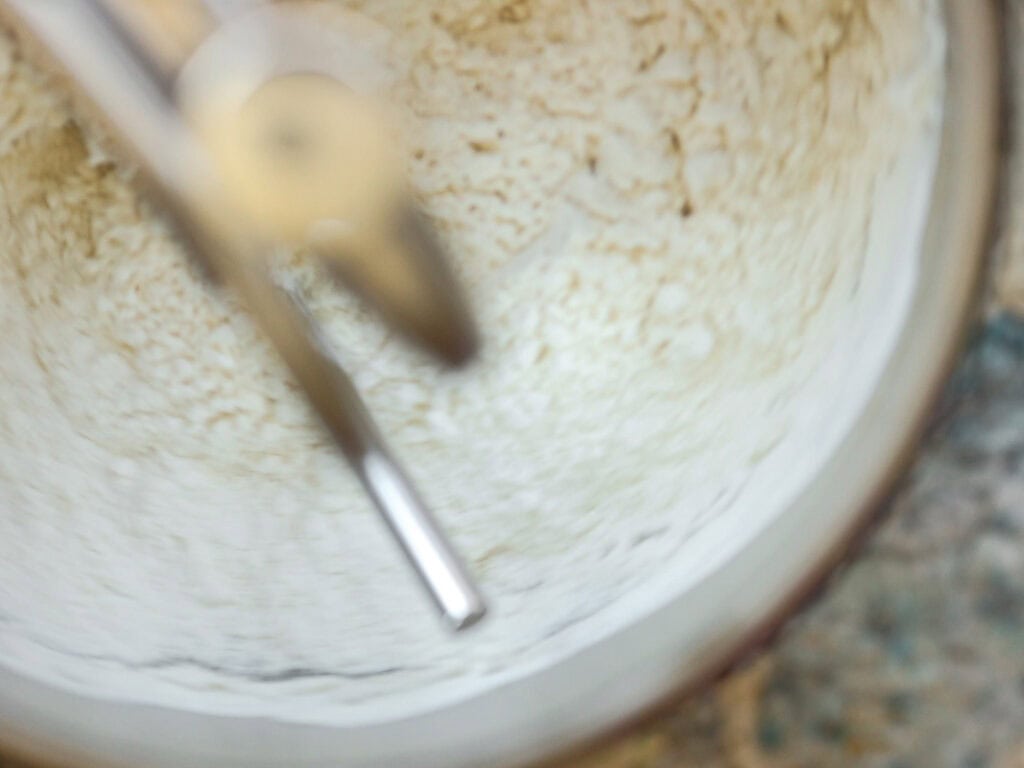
<point>664,211</point>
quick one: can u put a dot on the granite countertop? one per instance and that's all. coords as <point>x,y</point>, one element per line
<point>915,654</point>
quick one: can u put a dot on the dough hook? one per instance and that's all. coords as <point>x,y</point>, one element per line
<point>224,195</point>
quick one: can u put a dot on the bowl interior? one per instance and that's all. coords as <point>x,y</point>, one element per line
<point>632,555</point>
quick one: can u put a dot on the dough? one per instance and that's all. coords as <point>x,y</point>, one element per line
<point>665,214</point>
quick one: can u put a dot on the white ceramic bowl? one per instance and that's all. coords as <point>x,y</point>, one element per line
<point>678,641</point>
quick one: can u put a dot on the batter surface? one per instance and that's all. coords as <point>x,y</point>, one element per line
<point>664,213</point>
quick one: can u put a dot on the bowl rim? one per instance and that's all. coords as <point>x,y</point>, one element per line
<point>609,685</point>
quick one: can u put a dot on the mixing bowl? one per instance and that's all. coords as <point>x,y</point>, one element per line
<point>742,576</point>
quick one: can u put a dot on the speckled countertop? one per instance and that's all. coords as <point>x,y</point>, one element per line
<point>915,655</point>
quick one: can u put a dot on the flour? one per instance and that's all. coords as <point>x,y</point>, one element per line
<point>663,214</point>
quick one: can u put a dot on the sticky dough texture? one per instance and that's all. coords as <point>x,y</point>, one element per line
<point>661,212</point>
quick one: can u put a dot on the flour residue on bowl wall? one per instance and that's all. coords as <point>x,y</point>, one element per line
<point>663,214</point>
